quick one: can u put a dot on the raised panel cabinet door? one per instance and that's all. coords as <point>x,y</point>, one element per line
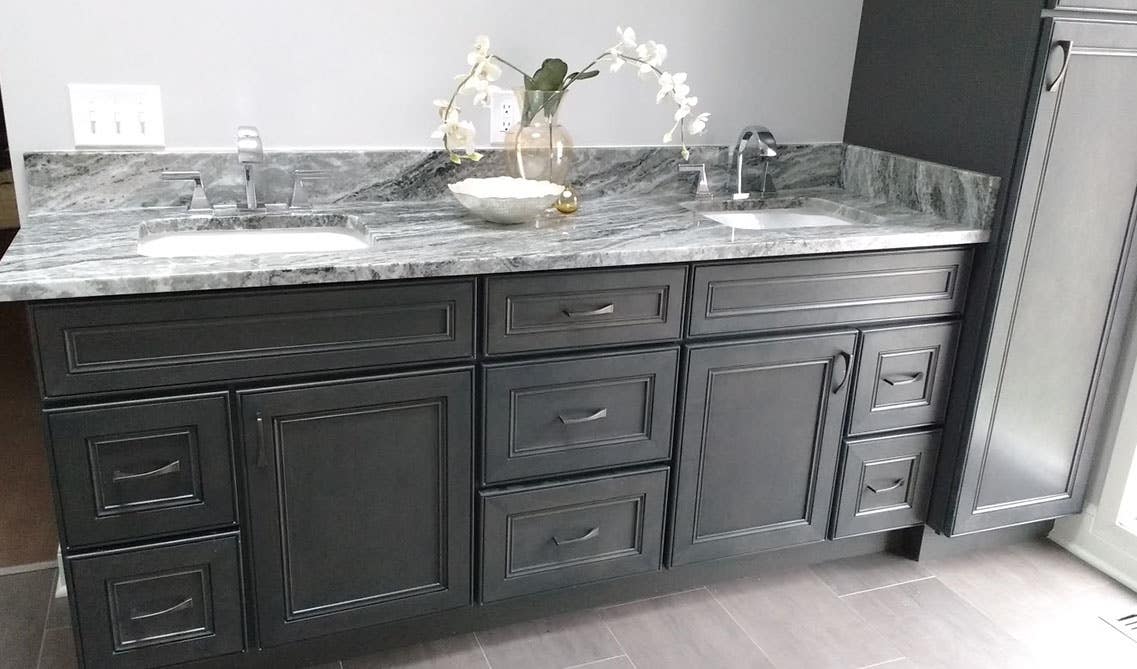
<point>1063,292</point>
<point>1120,6</point>
<point>759,444</point>
<point>359,501</point>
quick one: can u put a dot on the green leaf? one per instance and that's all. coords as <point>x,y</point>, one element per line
<point>550,77</point>
<point>588,75</point>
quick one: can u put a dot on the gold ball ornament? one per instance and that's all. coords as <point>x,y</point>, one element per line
<point>568,202</point>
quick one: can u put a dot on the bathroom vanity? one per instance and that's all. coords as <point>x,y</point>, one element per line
<point>429,436</point>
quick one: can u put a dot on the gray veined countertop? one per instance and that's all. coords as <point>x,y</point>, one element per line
<point>66,255</point>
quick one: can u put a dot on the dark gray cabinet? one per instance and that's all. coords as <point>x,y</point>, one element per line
<point>758,449</point>
<point>562,534</point>
<point>359,498</point>
<point>1063,292</point>
<point>159,605</point>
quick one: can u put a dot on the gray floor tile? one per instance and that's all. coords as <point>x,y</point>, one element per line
<point>456,652</point>
<point>935,628</point>
<point>550,643</point>
<point>800,623</point>
<point>683,631</point>
<point>621,662</point>
<point>58,650</point>
<point>23,609</point>
<point>1048,599</point>
<point>867,572</point>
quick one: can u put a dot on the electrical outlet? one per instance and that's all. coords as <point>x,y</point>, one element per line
<point>505,112</point>
<point>117,115</point>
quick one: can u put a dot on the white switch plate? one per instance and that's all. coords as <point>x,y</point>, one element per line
<point>504,112</point>
<point>117,115</point>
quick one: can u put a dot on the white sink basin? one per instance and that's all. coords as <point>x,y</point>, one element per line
<point>251,235</point>
<point>774,219</point>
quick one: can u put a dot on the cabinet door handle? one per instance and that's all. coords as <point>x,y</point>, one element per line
<point>588,536</point>
<point>895,484</point>
<point>180,606</point>
<point>599,414</point>
<point>599,311</point>
<point>1067,47</point>
<point>848,360</point>
<point>171,468</point>
<point>262,459</point>
<point>903,379</point>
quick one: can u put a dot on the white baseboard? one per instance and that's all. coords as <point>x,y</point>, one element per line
<point>1077,534</point>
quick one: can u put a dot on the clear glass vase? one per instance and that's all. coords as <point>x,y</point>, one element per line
<point>538,147</point>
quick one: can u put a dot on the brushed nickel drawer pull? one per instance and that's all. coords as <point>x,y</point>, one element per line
<point>1067,47</point>
<point>894,486</point>
<point>262,460</point>
<point>848,360</point>
<point>591,418</point>
<point>903,379</point>
<point>590,535</point>
<point>180,606</point>
<point>171,468</point>
<point>599,311</point>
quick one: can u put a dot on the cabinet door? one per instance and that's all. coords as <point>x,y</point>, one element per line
<point>1063,293</point>
<point>359,501</point>
<point>760,440</point>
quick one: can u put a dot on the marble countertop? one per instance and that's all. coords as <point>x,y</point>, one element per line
<point>69,255</point>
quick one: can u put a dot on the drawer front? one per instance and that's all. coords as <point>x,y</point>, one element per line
<point>565,534</point>
<point>579,414</point>
<point>904,377</point>
<point>117,344</point>
<point>143,469</point>
<point>1124,6</point>
<point>774,295</point>
<point>886,483</point>
<point>574,309</point>
<point>159,605</point>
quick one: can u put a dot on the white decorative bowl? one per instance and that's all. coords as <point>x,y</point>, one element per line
<point>506,200</point>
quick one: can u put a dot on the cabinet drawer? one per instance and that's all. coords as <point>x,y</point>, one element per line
<point>564,534</point>
<point>578,414</point>
<point>886,483</point>
<point>118,344</point>
<point>903,377</point>
<point>142,469</point>
<point>574,309</point>
<point>773,295</point>
<point>1124,6</point>
<point>159,605</point>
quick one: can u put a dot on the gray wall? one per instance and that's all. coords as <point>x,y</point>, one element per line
<point>363,73</point>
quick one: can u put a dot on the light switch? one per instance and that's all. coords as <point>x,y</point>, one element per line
<point>117,115</point>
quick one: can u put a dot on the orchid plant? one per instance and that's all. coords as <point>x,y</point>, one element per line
<point>457,134</point>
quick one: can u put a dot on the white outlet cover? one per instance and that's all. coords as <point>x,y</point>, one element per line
<point>505,110</point>
<point>117,116</point>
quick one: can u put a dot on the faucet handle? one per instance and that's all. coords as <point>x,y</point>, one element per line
<point>299,193</point>
<point>703,189</point>
<point>199,201</point>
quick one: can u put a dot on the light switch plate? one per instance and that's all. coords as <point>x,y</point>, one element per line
<point>117,115</point>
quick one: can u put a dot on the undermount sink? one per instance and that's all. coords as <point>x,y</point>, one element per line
<point>780,213</point>
<point>251,234</point>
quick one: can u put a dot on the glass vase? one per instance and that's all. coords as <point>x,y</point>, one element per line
<point>538,147</point>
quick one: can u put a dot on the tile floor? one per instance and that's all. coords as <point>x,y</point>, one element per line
<point>1030,605</point>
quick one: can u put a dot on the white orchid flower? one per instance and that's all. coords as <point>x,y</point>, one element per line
<point>699,125</point>
<point>617,59</point>
<point>674,85</point>
<point>627,37</point>
<point>481,50</point>
<point>652,54</point>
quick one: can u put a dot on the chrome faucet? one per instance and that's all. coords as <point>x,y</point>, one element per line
<point>767,147</point>
<point>250,151</point>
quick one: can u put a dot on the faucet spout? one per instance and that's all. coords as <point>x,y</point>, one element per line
<point>250,151</point>
<point>767,148</point>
